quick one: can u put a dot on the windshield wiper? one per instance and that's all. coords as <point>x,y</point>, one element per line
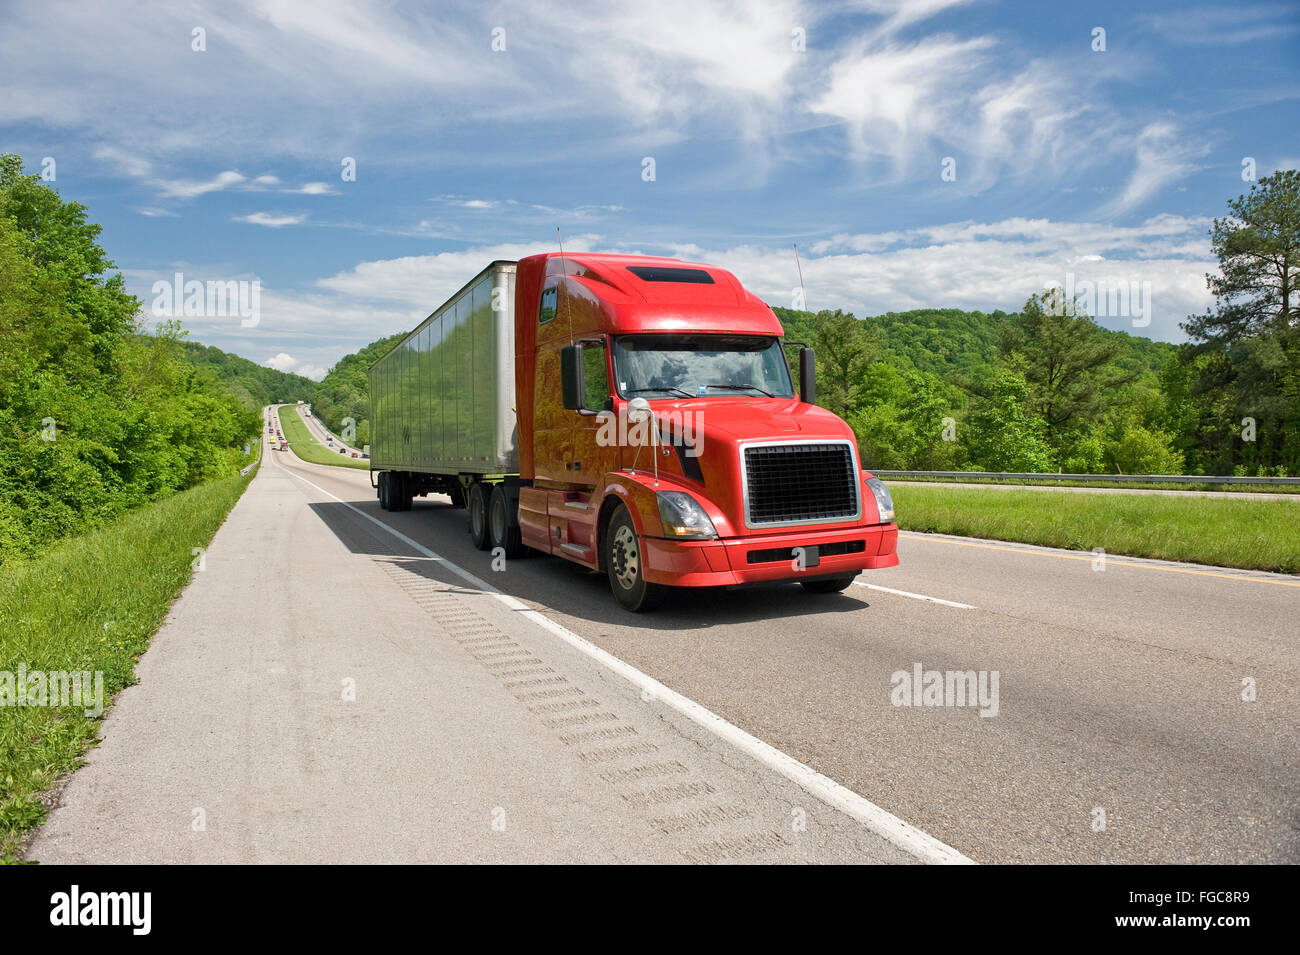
<point>743,387</point>
<point>684,394</point>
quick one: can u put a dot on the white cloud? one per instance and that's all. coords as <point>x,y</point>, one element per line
<point>155,213</point>
<point>1163,155</point>
<point>286,362</point>
<point>316,189</point>
<point>270,220</point>
<point>189,189</point>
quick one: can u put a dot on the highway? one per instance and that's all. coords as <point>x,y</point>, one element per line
<point>1119,731</point>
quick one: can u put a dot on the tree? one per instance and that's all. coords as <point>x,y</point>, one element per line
<point>1252,334</point>
<point>844,349</point>
<point>1067,362</point>
<point>1002,433</point>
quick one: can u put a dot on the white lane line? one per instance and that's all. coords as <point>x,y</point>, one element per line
<point>907,837</point>
<point>904,593</point>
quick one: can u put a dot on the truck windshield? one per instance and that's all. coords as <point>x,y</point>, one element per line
<point>672,366</point>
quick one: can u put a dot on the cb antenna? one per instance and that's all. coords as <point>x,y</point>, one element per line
<point>564,271</point>
<point>802,294</point>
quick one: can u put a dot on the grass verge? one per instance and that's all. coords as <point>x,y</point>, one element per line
<point>1227,532</point>
<point>1123,485</point>
<point>89,604</point>
<point>305,445</point>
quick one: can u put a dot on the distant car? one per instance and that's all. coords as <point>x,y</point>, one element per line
<point>355,454</point>
<point>343,450</point>
<point>284,445</point>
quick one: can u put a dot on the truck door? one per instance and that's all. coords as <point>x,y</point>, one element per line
<point>590,459</point>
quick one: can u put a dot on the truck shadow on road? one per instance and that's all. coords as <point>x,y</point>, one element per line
<point>561,586</point>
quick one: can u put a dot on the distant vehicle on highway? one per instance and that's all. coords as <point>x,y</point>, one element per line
<point>355,454</point>
<point>632,414</point>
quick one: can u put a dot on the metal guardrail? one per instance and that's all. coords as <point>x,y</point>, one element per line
<point>1089,478</point>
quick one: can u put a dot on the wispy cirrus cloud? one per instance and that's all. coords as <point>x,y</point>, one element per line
<point>271,220</point>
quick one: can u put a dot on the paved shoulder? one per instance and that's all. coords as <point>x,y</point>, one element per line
<point>322,692</point>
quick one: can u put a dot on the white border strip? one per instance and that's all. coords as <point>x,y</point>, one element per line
<point>907,837</point>
<point>904,593</point>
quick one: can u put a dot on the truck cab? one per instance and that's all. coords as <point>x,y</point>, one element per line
<point>663,440</point>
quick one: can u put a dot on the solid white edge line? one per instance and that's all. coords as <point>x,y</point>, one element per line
<point>902,834</point>
<point>904,593</point>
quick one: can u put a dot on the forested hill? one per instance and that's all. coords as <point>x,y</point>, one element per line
<point>963,346</point>
<point>345,391</point>
<point>252,384</point>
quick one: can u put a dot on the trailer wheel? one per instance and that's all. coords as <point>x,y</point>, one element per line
<point>476,505</point>
<point>827,585</point>
<point>625,566</point>
<point>383,490</point>
<point>399,491</point>
<point>503,532</point>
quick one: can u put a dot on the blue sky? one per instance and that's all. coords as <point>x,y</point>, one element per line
<point>826,124</point>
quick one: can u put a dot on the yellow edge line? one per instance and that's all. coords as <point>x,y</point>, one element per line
<point>1109,561</point>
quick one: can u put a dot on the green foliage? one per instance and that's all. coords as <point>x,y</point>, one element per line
<point>1139,451</point>
<point>90,604</point>
<point>1090,400</point>
<point>254,385</point>
<point>1066,359</point>
<point>1246,357</point>
<point>1002,432</point>
<point>345,391</point>
<point>95,418</point>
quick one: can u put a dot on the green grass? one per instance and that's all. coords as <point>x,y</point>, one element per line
<point>308,448</point>
<point>1127,485</point>
<point>1228,532</point>
<point>90,604</point>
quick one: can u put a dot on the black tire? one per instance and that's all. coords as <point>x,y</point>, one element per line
<point>502,531</point>
<point>827,585</point>
<point>383,490</point>
<point>402,497</point>
<point>621,553</point>
<point>476,506</point>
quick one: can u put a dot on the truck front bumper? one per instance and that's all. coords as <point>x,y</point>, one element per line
<point>745,560</point>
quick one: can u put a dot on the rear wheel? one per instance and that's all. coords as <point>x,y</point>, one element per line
<point>502,531</point>
<point>625,566</point>
<point>476,505</point>
<point>383,490</point>
<point>827,585</point>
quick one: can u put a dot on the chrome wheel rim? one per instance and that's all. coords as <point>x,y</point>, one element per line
<point>627,559</point>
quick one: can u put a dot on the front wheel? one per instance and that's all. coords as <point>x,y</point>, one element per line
<point>827,585</point>
<point>625,566</point>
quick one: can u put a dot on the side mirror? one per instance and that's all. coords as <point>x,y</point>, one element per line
<point>807,376</point>
<point>572,387</point>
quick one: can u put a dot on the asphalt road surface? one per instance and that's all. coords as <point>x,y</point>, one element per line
<point>1144,712</point>
<point>1120,689</point>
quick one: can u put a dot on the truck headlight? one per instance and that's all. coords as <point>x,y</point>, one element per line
<point>884,501</point>
<point>683,517</point>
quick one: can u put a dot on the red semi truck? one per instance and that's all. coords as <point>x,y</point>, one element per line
<point>632,414</point>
